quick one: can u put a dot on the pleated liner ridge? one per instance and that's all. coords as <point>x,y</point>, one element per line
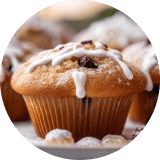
<point>94,117</point>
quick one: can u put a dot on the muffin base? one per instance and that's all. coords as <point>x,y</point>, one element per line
<point>143,105</point>
<point>94,117</point>
<point>14,103</point>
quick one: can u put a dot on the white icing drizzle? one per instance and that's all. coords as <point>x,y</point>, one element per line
<point>70,50</point>
<point>149,62</point>
<point>73,50</point>
<point>118,29</point>
<point>16,48</point>
<point>99,45</point>
<point>145,55</point>
<point>80,80</point>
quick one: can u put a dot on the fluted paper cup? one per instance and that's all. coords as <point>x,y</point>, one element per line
<point>94,117</point>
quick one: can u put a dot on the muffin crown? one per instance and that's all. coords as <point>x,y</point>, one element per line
<point>143,56</point>
<point>16,52</point>
<point>84,69</point>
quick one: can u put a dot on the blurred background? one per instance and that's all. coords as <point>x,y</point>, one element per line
<point>78,14</point>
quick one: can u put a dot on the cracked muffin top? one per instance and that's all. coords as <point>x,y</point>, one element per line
<point>86,69</point>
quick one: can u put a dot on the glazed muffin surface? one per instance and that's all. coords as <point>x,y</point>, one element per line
<point>142,55</point>
<point>57,81</point>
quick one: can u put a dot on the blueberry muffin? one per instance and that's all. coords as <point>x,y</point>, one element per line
<point>85,88</point>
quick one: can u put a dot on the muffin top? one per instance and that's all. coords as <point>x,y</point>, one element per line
<point>83,69</point>
<point>143,56</point>
<point>44,33</point>
<point>117,31</point>
<point>16,53</point>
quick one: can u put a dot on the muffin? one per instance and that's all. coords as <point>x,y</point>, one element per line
<point>117,31</point>
<point>16,53</point>
<point>43,33</point>
<point>84,88</point>
<point>143,56</point>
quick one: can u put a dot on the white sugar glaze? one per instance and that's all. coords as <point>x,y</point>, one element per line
<point>80,80</point>
<point>73,50</point>
<point>149,62</point>
<point>118,29</point>
<point>15,49</point>
<point>146,56</point>
<point>12,52</point>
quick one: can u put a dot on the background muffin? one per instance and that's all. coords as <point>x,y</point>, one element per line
<point>85,88</point>
<point>43,33</point>
<point>16,53</point>
<point>117,31</point>
<point>143,56</point>
<point>35,35</point>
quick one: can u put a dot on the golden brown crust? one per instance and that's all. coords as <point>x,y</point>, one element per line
<point>106,81</point>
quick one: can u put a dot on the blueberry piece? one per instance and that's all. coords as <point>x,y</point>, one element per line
<point>86,61</point>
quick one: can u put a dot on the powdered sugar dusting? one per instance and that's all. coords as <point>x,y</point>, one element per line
<point>119,80</point>
<point>51,80</point>
<point>74,49</point>
<point>59,137</point>
<point>63,79</point>
<point>110,71</point>
<point>144,57</point>
<point>88,142</point>
<point>117,29</point>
